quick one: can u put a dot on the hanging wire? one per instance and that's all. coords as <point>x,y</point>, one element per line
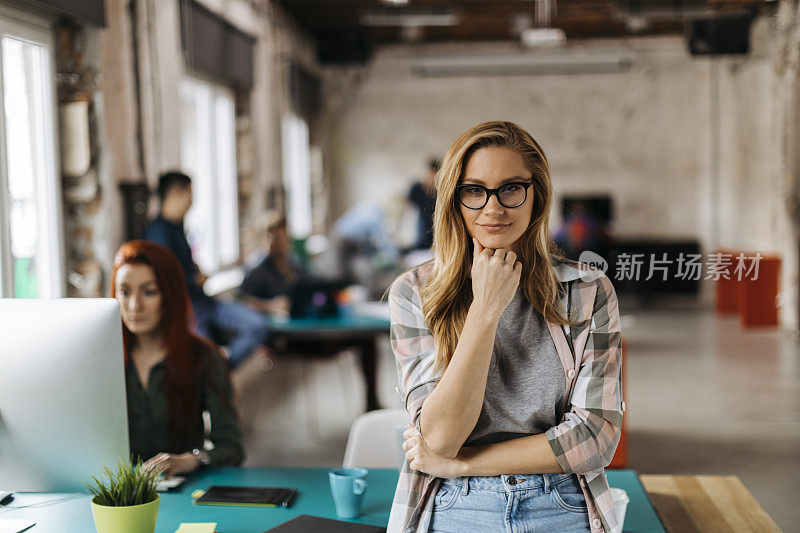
<point>74,496</point>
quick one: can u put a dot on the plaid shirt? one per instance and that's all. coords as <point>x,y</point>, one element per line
<point>586,438</point>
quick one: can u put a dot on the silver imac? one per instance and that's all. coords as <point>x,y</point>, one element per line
<point>63,408</point>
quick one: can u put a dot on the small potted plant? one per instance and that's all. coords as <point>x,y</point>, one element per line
<point>127,502</point>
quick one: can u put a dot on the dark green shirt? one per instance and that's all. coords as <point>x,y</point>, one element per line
<point>148,414</point>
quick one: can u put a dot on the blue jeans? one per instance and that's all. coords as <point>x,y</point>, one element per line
<point>524,503</point>
<point>247,328</point>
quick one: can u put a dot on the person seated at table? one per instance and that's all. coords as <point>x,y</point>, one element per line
<point>266,287</point>
<point>171,374</point>
<point>361,248</point>
<point>247,331</point>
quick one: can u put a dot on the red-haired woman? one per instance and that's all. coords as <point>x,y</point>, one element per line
<point>171,375</point>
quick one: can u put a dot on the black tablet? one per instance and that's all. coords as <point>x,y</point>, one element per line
<point>258,496</point>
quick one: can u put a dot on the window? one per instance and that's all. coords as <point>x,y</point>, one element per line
<point>208,156</point>
<point>30,246</point>
<point>297,175</point>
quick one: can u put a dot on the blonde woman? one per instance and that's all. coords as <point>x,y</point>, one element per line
<point>508,355</point>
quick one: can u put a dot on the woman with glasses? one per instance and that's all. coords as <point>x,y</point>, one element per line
<point>508,355</point>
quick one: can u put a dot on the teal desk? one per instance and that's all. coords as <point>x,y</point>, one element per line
<point>75,515</point>
<point>326,336</point>
<point>330,326</point>
<point>640,516</point>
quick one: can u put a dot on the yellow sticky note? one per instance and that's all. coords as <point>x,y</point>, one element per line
<point>197,527</point>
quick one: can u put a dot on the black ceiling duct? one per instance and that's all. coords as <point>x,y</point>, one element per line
<point>720,34</point>
<point>342,46</point>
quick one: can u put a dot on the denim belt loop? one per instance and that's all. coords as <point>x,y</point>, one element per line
<point>546,478</point>
<point>465,486</point>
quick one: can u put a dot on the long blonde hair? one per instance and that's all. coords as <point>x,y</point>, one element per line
<point>447,292</point>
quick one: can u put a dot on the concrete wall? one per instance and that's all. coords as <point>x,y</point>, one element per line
<point>609,133</point>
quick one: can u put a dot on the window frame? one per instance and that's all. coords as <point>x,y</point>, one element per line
<point>37,31</point>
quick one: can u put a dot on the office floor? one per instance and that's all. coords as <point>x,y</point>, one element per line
<point>703,397</point>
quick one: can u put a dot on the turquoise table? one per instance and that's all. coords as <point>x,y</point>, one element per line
<point>54,515</point>
<point>640,516</point>
<point>328,326</point>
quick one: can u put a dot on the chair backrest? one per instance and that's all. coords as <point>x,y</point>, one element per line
<point>375,439</point>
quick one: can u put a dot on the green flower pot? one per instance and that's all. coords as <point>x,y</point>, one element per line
<point>130,519</point>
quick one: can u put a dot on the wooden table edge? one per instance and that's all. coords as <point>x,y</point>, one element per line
<point>654,483</point>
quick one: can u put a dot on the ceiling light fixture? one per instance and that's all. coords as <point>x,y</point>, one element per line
<point>542,35</point>
<point>525,64</point>
<point>538,37</point>
<point>409,17</point>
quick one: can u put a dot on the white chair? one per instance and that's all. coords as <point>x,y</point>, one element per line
<point>375,439</point>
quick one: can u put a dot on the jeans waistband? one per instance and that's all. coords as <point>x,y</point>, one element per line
<point>506,483</point>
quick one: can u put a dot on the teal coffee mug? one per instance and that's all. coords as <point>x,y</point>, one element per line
<point>348,486</point>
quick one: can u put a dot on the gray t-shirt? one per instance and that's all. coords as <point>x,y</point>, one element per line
<point>526,383</point>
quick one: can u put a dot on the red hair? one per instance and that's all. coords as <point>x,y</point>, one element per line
<point>184,349</point>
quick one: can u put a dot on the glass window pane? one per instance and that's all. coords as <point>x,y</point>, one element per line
<point>297,175</point>
<point>228,217</point>
<point>24,108</point>
<point>208,155</point>
<point>197,161</point>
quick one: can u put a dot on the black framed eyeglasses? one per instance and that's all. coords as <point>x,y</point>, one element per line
<point>510,195</point>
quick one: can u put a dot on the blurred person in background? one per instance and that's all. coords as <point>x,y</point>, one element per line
<point>360,249</point>
<point>215,318</point>
<point>171,374</point>
<point>267,287</point>
<point>423,196</point>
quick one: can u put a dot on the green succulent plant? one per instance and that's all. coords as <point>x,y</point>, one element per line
<point>129,485</point>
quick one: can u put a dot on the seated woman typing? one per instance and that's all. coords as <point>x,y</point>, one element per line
<point>171,374</point>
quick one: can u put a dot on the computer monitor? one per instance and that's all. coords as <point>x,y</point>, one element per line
<point>600,207</point>
<point>63,409</point>
<point>315,298</point>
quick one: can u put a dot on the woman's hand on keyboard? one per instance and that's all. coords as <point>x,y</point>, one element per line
<point>170,464</point>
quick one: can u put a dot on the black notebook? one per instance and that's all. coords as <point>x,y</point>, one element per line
<point>260,496</point>
<point>314,524</point>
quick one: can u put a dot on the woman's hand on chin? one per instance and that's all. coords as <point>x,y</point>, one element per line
<point>422,459</point>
